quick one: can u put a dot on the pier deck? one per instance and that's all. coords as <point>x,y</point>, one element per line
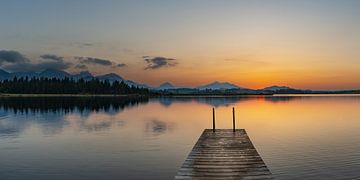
<point>224,154</point>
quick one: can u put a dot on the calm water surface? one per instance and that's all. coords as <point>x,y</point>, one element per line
<point>298,137</point>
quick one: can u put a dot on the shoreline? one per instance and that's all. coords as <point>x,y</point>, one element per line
<point>174,95</point>
<point>72,95</point>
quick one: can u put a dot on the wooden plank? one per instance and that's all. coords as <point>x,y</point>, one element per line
<point>224,154</point>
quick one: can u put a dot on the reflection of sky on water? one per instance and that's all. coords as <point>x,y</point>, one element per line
<point>52,123</point>
<point>130,138</point>
<point>222,101</point>
<point>52,114</point>
<point>156,127</point>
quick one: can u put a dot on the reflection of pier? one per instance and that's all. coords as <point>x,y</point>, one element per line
<point>224,154</point>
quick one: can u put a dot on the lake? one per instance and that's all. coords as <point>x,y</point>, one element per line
<point>298,137</point>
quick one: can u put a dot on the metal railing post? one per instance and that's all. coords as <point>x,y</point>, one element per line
<point>233,111</point>
<point>213,119</point>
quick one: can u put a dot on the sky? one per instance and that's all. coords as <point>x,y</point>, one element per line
<point>309,44</point>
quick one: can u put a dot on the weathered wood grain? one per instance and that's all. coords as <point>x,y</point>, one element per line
<point>224,154</point>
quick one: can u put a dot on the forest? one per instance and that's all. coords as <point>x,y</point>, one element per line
<point>66,86</point>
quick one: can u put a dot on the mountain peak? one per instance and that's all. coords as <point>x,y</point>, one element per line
<point>166,85</point>
<point>59,74</point>
<point>113,75</point>
<point>4,75</point>
<point>85,73</point>
<point>219,85</point>
<point>54,73</point>
<point>276,88</point>
<point>3,72</point>
<point>110,77</point>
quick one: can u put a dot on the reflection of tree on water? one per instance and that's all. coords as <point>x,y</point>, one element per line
<point>68,104</point>
<point>210,100</point>
<point>276,99</point>
<point>218,101</point>
<point>19,113</point>
<point>156,127</point>
<point>49,122</point>
<point>9,128</point>
<point>96,124</point>
<point>167,101</point>
<point>115,103</point>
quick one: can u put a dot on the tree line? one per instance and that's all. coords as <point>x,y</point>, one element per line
<point>69,104</point>
<point>67,86</point>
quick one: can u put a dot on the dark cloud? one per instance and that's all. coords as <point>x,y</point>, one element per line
<point>60,65</point>
<point>12,57</point>
<point>159,62</point>
<point>96,61</point>
<point>52,57</point>
<point>121,65</point>
<point>82,45</point>
<point>15,61</point>
<point>87,44</point>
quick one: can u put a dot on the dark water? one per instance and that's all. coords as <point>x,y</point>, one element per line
<point>299,137</point>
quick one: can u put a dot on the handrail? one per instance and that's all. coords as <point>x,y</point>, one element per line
<point>233,119</point>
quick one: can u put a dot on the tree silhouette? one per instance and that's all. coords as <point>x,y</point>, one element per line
<point>67,86</point>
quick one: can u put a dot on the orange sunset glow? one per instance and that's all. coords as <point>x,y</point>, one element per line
<point>179,89</point>
<point>251,44</point>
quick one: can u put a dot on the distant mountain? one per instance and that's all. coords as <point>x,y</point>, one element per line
<point>285,90</point>
<point>276,88</point>
<point>4,75</point>
<point>218,86</point>
<point>54,73</point>
<point>24,74</point>
<point>135,84</point>
<point>86,75</point>
<point>112,77</point>
<point>165,86</point>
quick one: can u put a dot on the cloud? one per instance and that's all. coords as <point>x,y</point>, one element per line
<point>12,57</point>
<point>15,61</point>
<point>121,65</point>
<point>87,44</point>
<point>52,57</point>
<point>82,44</point>
<point>60,65</point>
<point>96,61</point>
<point>159,62</point>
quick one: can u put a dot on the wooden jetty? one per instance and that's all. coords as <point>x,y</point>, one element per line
<point>224,154</point>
